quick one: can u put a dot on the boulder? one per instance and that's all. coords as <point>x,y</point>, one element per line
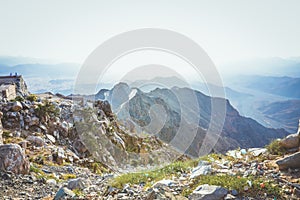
<point>77,183</point>
<point>64,193</point>
<point>291,141</point>
<point>13,159</point>
<point>291,161</point>
<point>17,106</point>
<point>203,168</point>
<point>208,192</point>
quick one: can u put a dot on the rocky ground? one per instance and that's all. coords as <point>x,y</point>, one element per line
<point>42,156</point>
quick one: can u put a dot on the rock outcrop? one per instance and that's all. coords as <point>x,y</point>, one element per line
<point>291,141</point>
<point>291,161</point>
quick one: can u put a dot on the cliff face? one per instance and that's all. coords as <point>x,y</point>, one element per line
<point>165,112</point>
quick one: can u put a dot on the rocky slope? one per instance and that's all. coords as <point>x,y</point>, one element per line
<point>254,173</point>
<point>52,147</point>
<point>283,86</point>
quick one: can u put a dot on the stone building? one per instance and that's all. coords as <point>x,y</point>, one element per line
<point>12,86</point>
<point>8,91</point>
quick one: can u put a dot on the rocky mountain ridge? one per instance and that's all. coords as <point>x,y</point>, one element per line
<point>132,106</point>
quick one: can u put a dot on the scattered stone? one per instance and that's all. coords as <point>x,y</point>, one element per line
<point>51,138</point>
<point>36,141</point>
<point>257,151</point>
<point>163,183</point>
<point>51,181</point>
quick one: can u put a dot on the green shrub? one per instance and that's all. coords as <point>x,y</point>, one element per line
<point>32,97</point>
<point>275,148</point>
<point>19,98</point>
<point>47,109</point>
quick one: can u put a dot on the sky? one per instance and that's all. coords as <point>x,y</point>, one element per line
<point>227,30</point>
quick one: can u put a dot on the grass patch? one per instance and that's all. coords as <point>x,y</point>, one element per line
<point>150,177</point>
<point>12,140</point>
<point>67,176</point>
<point>237,183</point>
<point>275,148</point>
<point>227,181</point>
<point>35,169</point>
<point>78,192</point>
<point>6,134</point>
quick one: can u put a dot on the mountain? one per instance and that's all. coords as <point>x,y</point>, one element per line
<point>54,71</point>
<point>169,112</point>
<point>209,89</point>
<point>285,112</point>
<point>274,66</point>
<point>283,86</point>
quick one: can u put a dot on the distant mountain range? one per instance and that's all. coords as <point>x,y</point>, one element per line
<point>132,106</point>
<point>283,86</point>
<point>285,112</point>
<point>267,66</point>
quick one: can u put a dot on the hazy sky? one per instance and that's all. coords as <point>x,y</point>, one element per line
<point>227,30</point>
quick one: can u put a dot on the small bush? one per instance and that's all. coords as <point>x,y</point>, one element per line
<point>19,98</point>
<point>47,109</point>
<point>32,97</point>
<point>275,148</point>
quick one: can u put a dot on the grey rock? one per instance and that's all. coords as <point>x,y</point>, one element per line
<point>64,193</point>
<point>203,168</point>
<point>234,192</point>
<point>291,141</point>
<point>291,161</point>
<point>77,183</point>
<point>208,192</point>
